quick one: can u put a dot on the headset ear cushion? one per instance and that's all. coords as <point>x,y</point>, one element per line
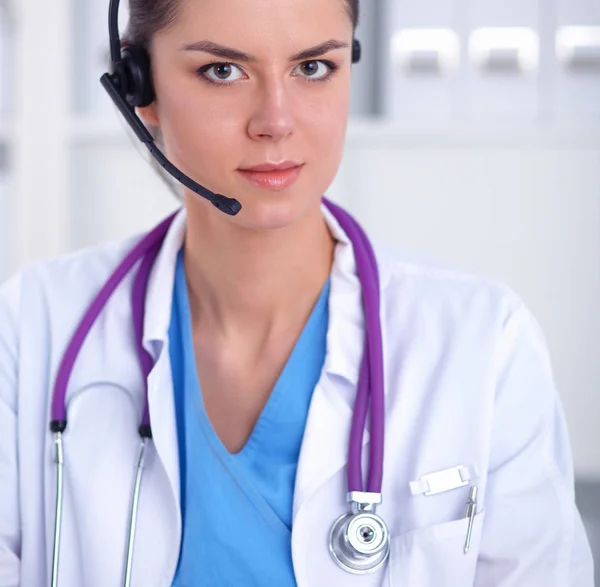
<point>356,51</point>
<point>139,89</point>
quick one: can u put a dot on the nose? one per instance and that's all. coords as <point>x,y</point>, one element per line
<point>272,119</point>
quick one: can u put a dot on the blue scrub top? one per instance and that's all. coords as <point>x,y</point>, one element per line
<point>237,509</point>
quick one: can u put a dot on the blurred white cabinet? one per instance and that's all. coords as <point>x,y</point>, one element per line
<point>6,108</point>
<point>92,59</point>
<point>447,63</point>
<point>6,59</point>
<point>422,60</point>
<point>577,12</point>
<point>575,79</point>
<point>453,62</point>
<point>502,68</point>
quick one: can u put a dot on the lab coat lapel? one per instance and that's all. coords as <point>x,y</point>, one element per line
<point>157,319</point>
<point>325,444</point>
<point>321,486</point>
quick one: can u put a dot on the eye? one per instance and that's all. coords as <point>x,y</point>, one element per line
<point>220,73</point>
<point>316,70</point>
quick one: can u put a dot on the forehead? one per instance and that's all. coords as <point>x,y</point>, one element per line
<point>252,25</point>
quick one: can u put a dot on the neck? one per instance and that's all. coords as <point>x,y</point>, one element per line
<point>249,283</point>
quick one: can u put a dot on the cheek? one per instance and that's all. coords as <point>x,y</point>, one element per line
<point>326,117</point>
<point>199,132</point>
<point>325,128</point>
<point>188,115</point>
<point>206,130</point>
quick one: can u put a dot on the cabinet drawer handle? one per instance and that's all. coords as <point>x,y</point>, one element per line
<point>505,48</point>
<point>426,50</point>
<point>578,46</point>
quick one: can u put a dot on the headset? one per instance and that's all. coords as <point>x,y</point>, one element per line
<point>130,86</point>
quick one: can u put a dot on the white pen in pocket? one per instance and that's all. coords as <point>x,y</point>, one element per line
<point>471,508</point>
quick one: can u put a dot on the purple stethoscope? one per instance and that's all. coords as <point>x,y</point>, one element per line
<point>359,539</point>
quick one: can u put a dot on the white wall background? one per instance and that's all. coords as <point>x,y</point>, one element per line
<point>517,198</point>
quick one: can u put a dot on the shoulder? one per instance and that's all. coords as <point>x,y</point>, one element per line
<point>55,290</point>
<point>80,269</point>
<point>471,329</point>
<point>443,309</point>
<point>427,284</point>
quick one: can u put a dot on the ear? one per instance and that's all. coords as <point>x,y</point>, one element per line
<point>149,114</point>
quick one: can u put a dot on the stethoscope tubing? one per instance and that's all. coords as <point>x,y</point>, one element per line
<point>370,385</point>
<point>58,443</point>
<point>101,299</point>
<point>139,291</point>
<point>371,373</point>
<point>134,513</point>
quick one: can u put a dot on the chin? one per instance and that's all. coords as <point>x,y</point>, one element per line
<point>273,210</point>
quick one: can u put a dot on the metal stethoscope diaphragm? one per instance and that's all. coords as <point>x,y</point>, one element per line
<point>359,540</point>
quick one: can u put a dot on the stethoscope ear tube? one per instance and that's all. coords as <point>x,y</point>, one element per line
<point>134,513</point>
<point>59,458</point>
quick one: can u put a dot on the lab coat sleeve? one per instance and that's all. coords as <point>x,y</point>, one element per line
<point>9,490</point>
<point>533,534</point>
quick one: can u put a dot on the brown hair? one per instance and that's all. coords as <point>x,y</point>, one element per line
<point>148,17</point>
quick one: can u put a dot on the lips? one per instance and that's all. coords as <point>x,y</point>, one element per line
<point>272,176</point>
<point>283,166</point>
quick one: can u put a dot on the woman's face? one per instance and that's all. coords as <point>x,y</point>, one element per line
<point>269,107</point>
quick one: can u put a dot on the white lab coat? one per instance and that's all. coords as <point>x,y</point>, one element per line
<point>468,382</point>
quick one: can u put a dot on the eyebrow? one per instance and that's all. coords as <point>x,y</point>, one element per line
<point>235,55</point>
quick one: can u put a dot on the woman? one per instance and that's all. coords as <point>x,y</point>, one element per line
<point>255,329</point>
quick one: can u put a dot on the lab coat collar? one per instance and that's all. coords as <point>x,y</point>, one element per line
<point>345,335</point>
<point>157,315</point>
<point>346,317</point>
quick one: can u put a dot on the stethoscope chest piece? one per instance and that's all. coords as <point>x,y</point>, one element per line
<point>359,542</point>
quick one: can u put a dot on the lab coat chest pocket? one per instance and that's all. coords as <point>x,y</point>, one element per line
<point>434,555</point>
